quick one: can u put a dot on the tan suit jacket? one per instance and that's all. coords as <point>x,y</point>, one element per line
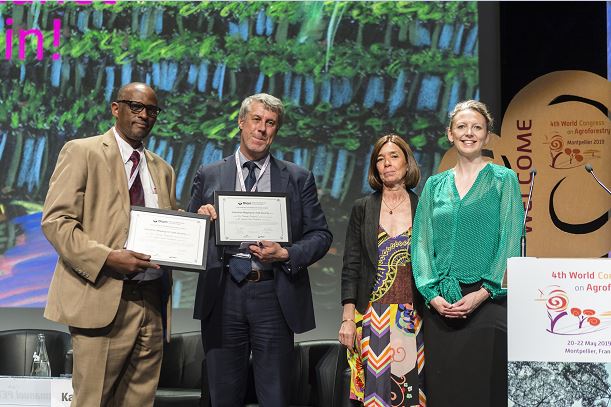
<point>85,216</point>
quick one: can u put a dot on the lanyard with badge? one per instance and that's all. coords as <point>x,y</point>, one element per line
<point>135,172</point>
<point>244,245</point>
<point>241,175</point>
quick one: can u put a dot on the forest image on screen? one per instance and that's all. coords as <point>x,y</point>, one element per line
<point>347,72</point>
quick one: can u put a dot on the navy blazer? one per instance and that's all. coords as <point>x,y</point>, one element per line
<point>310,238</point>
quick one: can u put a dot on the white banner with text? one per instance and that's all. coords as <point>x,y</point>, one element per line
<point>559,310</point>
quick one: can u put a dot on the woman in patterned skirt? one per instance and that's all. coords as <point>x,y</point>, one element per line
<point>381,325</point>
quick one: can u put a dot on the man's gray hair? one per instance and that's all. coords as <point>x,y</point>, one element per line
<point>270,102</point>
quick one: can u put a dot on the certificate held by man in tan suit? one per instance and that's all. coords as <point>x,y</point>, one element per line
<point>112,299</point>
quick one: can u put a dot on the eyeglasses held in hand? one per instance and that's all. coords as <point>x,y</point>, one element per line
<point>136,107</point>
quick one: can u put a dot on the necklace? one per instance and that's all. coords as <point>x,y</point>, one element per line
<point>394,207</point>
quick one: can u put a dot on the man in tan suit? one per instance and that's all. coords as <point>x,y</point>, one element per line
<point>111,298</point>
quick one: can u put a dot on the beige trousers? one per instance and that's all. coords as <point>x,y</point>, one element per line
<point>119,365</point>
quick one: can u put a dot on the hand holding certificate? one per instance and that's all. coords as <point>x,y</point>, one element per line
<point>252,217</point>
<point>174,239</point>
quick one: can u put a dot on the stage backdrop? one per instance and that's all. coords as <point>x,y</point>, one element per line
<point>349,72</point>
<point>557,124</point>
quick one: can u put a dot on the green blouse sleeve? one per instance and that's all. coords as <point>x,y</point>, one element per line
<point>424,270</point>
<point>512,216</point>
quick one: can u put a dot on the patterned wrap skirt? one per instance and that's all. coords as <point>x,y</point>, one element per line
<point>387,364</point>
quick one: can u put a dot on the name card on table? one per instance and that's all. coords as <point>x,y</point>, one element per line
<point>61,392</point>
<point>18,391</point>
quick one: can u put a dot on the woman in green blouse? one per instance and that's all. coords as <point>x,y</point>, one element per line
<point>468,223</point>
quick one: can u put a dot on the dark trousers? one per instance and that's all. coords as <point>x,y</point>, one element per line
<point>249,319</point>
<point>466,359</point>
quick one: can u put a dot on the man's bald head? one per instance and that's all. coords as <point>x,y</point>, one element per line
<point>127,90</point>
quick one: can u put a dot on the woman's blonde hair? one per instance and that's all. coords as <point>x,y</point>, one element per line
<point>473,105</point>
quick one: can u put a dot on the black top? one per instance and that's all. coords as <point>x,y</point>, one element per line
<point>361,249</point>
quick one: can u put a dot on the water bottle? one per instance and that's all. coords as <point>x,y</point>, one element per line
<point>68,364</point>
<point>40,359</point>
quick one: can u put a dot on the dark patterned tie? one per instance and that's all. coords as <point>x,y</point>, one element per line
<point>239,267</point>
<point>136,192</point>
<point>251,178</point>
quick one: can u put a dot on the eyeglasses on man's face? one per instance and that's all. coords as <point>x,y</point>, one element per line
<point>137,107</point>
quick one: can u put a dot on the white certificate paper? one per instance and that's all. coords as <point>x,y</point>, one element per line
<point>171,238</point>
<point>251,217</point>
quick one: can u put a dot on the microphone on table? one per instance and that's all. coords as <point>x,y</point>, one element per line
<point>533,172</point>
<point>589,169</point>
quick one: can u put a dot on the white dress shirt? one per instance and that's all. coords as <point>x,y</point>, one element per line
<point>150,192</point>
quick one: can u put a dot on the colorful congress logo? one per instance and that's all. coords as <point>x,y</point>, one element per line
<point>571,318</point>
<point>566,155</point>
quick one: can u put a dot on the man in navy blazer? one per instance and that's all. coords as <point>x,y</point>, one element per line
<point>260,313</point>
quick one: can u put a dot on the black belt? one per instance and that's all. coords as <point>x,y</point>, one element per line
<point>259,275</point>
<point>140,283</point>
